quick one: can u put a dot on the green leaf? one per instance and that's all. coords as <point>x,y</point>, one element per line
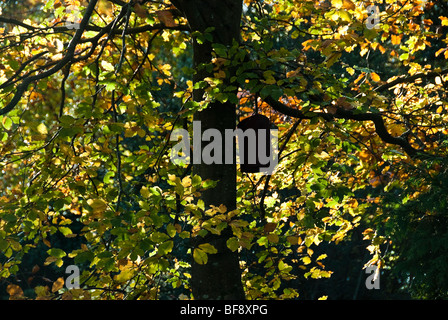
<point>200,256</point>
<point>403,56</point>
<point>233,244</point>
<point>3,136</point>
<point>171,230</point>
<point>9,217</point>
<point>158,237</point>
<point>108,176</point>
<point>333,58</point>
<point>196,180</point>
<point>144,192</point>
<point>201,204</point>
<point>165,247</point>
<point>65,231</point>
<point>57,253</point>
<point>283,266</point>
<point>7,123</point>
<point>271,90</point>
<point>208,248</point>
<point>15,245</point>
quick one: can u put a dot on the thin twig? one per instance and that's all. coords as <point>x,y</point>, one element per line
<point>118,153</point>
<point>268,178</point>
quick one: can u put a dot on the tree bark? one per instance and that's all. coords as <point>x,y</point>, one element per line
<point>220,277</point>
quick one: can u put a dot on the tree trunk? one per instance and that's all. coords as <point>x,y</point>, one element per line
<point>220,277</point>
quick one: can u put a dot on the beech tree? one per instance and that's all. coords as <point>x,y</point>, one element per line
<point>90,92</point>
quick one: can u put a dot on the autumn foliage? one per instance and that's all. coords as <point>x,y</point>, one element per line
<point>86,179</point>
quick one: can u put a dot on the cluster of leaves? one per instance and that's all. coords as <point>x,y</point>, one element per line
<point>85,153</point>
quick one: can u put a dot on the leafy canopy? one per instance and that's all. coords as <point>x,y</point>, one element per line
<point>84,146</point>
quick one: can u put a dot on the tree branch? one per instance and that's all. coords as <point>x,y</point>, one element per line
<point>69,55</point>
<point>409,79</point>
<point>377,119</point>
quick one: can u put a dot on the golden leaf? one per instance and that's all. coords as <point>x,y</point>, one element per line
<point>58,284</point>
<point>396,39</point>
<point>375,77</point>
<point>350,70</point>
<point>14,291</point>
<point>348,5</point>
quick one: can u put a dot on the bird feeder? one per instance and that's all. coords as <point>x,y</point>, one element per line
<point>261,125</point>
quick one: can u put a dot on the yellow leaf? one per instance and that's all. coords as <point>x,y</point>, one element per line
<point>347,4</point>
<point>440,51</point>
<point>42,129</point>
<point>444,20</point>
<point>58,284</point>
<point>306,260</point>
<point>375,77</point>
<point>35,96</point>
<point>141,133</point>
<point>350,70</point>
<point>98,205</point>
<point>344,15</point>
<point>364,155</point>
<point>396,39</point>
<point>290,74</point>
<point>221,74</point>
<point>337,3</point>
<point>125,275</point>
<point>353,203</point>
<point>222,208</point>
<point>359,78</point>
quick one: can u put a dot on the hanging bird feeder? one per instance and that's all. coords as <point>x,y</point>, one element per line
<point>262,146</point>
